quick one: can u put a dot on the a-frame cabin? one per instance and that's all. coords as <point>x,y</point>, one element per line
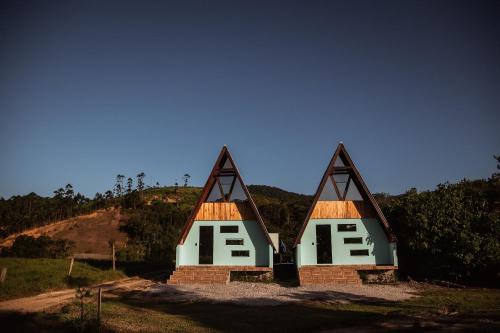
<point>345,231</point>
<point>224,233</point>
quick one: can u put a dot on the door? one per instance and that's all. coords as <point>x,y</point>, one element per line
<point>206,254</point>
<point>324,244</point>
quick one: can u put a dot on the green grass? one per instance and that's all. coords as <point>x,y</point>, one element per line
<point>462,301</point>
<point>26,277</point>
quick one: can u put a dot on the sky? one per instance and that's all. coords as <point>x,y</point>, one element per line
<point>91,89</point>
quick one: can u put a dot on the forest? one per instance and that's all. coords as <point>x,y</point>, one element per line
<point>450,233</point>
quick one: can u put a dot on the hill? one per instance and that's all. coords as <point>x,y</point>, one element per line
<point>269,194</point>
<point>90,233</point>
<point>261,194</point>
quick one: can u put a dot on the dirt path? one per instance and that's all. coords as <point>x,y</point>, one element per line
<point>47,300</point>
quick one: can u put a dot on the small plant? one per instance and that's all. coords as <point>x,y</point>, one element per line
<point>87,320</point>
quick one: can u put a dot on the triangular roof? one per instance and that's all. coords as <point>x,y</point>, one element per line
<point>224,166</point>
<point>341,162</point>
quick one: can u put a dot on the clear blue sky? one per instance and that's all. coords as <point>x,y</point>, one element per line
<point>90,89</point>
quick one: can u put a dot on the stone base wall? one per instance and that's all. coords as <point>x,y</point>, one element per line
<point>335,274</point>
<point>209,274</point>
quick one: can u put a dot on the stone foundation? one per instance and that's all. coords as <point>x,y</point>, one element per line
<point>209,274</point>
<point>336,274</point>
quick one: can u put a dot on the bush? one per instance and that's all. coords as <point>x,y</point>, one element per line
<point>452,233</point>
<point>41,247</point>
<point>132,253</point>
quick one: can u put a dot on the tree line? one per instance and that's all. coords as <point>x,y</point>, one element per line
<point>23,212</point>
<point>20,213</point>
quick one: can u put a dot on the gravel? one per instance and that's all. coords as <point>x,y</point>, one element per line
<point>275,294</point>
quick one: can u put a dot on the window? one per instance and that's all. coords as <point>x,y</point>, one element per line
<point>227,188</point>
<point>238,194</point>
<point>234,241</point>
<point>228,229</point>
<point>339,162</point>
<point>354,240</point>
<point>341,180</point>
<point>346,227</point>
<point>353,192</point>
<point>227,164</point>
<point>328,193</point>
<point>240,253</point>
<point>226,182</point>
<point>359,252</point>
<point>215,195</point>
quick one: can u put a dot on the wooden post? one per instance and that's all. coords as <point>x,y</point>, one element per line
<point>71,265</point>
<point>113,248</point>
<point>99,301</point>
<point>3,275</point>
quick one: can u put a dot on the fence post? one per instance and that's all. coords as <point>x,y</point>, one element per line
<point>3,275</point>
<point>99,301</point>
<point>113,247</point>
<point>71,265</point>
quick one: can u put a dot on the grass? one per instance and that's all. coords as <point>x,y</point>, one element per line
<point>26,277</point>
<point>480,302</point>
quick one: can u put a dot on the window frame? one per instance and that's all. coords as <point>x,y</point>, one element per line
<point>347,229</point>
<point>235,239</point>
<point>353,240</point>
<point>240,253</point>
<point>359,253</point>
<point>229,226</point>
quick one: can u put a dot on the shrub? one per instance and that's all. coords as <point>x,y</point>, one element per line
<point>41,247</point>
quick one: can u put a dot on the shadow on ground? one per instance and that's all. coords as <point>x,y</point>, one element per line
<point>310,311</point>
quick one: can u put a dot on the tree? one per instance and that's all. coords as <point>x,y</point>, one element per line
<point>59,193</point>
<point>59,201</point>
<point>68,193</point>
<point>68,200</point>
<point>119,185</point>
<point>140,184</point>
<point>185,178</point>
<point>99,201</point>
<point>497,174</point>
<point>108,195</point>
<point>129,185</point>
<point>140,181</point>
